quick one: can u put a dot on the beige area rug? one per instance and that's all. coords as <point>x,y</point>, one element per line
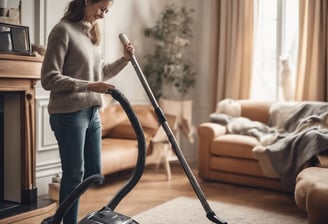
<point>187,210</point>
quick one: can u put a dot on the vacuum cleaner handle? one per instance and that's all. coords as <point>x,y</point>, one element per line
<point>162,119</point>
<point>76,193</point>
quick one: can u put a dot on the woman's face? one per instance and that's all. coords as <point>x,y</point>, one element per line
<point>96,11</point>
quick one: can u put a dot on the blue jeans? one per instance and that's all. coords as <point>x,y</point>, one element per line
<point>79,139</point>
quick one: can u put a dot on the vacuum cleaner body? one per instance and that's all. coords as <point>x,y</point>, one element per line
<point>107,216</point>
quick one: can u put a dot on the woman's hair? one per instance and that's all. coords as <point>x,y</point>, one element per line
<point>75,13</point>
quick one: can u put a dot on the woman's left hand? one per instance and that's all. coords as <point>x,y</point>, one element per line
<point>128,51</point>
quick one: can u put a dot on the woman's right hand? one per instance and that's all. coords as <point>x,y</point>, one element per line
<point>99,87</point>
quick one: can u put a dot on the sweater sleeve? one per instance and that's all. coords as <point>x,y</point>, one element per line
<point>112,69</point>
<point>52,77</point>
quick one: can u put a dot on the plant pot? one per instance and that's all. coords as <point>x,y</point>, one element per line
<point>170,92</point>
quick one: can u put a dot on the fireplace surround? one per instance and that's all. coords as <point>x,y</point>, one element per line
<point>18,76</point>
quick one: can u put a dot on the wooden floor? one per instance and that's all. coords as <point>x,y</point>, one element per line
<point>154,189</point>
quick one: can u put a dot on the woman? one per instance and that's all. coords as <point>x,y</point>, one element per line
<point>75,74</point>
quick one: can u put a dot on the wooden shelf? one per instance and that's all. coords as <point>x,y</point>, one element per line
<point>20,67</point>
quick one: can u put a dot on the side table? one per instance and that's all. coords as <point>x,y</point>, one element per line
<point>162,150</point>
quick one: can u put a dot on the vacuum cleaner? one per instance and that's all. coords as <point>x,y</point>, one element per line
<point>107,215</point>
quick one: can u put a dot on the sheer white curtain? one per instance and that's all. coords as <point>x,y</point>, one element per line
<point>276,38</point>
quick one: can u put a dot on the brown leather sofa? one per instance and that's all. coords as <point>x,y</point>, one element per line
<point>229,153</point>
<point>119,143</point>
<point>229,157</point>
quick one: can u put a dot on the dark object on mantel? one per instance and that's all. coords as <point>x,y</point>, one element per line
<point>14,39</point>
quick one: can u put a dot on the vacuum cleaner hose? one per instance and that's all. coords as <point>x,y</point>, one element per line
<point>140,165</point>
<point>73,196</point>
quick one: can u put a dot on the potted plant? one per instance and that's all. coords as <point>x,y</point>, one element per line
<point>169,74</point>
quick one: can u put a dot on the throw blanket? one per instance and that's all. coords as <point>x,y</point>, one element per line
<point>303,134</point>
<point>244,126</point>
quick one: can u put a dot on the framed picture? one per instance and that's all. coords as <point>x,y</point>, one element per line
<point>14,39</point>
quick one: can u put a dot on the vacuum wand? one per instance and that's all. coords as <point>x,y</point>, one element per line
<point>192,179</point>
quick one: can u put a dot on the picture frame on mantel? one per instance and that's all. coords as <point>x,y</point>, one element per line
<point>15,39</point>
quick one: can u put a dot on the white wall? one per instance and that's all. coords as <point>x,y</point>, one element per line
<point>130,17</point>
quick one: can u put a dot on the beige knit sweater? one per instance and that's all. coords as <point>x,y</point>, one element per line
<point>70,61</point>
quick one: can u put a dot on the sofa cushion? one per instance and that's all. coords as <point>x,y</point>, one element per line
<point>229,106</point>
<point>233,145</point>
<point>115,122</point>
<point>146,116</point>
<point>126,131</point>
<point>110,117</point>
<point>118,154</point>
<point>255,110</point>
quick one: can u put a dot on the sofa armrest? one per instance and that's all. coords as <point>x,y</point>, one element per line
<point>206,133</point>
<point>213,129</point>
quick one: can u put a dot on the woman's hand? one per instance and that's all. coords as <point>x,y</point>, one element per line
<point>99,87</point>
<point>128,51</point>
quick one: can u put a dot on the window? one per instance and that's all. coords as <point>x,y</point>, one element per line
<point>276,37</point>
